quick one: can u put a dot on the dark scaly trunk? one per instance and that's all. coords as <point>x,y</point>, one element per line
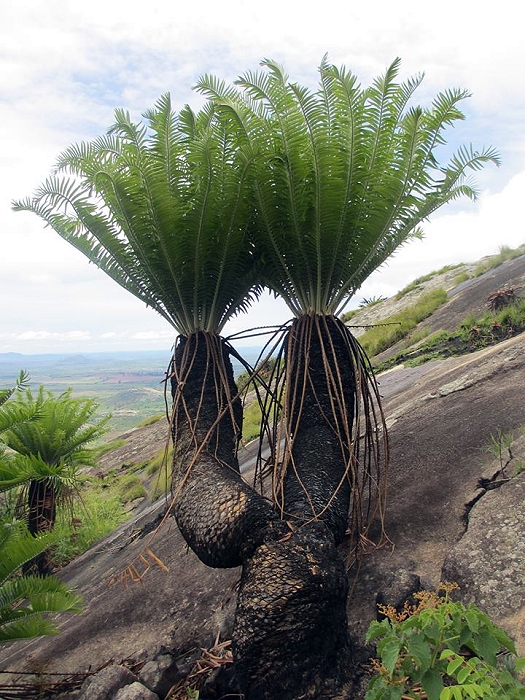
<point>219,515</point>
<point>290,631</point>
<point>319,413</point>
<point>41,517</point>
<point>291,628</point>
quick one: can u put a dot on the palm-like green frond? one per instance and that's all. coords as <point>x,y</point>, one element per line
<point>20,384</point>
<point>163,208</point>
<point>58,441</point>
<point>27,627</point>
<point>18,470</point>
<point>25,599</point>
<point>18,547</point>
<point>12,414</point>
<point>343,175</point>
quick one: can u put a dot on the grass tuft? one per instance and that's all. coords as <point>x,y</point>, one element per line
<point>381,337</point>
<point>505,253</point>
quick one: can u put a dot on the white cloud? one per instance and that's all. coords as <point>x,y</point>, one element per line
<point>61,337</point>
<point>154,335</point>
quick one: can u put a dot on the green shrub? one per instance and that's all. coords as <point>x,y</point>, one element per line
<point>491,327</point>
<point>251,426</point>
<point>473,333</point>
<point>462,277</point>
<point>106,447</point>
<point>98,514</point>
<point>425,278</point>
<point>160,460</point>
<point>371,301</point>
<point>349,315</point>
<point>162,484</point>
<point>151,420</point>
<point>442,650</point>
<point>434,339</point>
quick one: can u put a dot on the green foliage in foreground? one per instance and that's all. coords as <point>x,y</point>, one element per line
<point>381,337</point>
<point>442,650</point>
<point>25,600</point>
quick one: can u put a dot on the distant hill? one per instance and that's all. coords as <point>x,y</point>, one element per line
<point>130,384</point>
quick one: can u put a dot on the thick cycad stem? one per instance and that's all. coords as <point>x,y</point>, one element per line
<point>219,515</point>
<point>317,474</point>
<point>41,499</point>
<point>290,632</point>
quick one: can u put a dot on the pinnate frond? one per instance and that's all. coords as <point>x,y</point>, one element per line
<point>163,208</point>
<point>343,176</point>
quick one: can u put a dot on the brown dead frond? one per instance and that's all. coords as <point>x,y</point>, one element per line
<point>216,657</point>
<point>38,684</point>
<point>135,572</point>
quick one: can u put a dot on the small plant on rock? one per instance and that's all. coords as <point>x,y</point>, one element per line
<point>439,649</point>
<point>501,298</point>
<point>371,301</point>
<point>500,447</point>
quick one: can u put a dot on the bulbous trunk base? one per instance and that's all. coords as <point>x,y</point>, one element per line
<point>290,633</point>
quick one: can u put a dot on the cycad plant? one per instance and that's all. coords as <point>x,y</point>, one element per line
<point>164,208</point>
<point>305,193</point>
<point>47,452</point>
<point>343,176</point>
<point>25,600</point>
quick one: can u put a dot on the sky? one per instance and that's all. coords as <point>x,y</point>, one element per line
<point>67,65</point>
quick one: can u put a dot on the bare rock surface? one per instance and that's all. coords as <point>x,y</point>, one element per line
<point>439,443</point>
<point>131,613</point>
<point>105,684</point>
<point>488,562</point>
<point>135,691</point>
